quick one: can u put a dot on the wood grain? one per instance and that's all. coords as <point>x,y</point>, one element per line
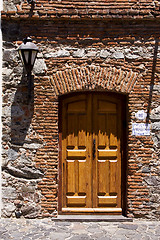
<point>91,182</point>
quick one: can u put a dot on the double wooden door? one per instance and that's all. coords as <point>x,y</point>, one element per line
<point>91,154</point>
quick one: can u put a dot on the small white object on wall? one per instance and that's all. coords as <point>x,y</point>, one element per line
<point>141,115</point>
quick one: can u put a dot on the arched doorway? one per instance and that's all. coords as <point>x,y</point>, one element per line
<point>91,153</point>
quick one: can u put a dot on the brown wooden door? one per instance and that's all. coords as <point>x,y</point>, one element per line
<point>91,154</point>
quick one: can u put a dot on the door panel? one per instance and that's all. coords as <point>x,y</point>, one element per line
<point>76,162</point>
<point>107,168</point>
<point>91,154</point>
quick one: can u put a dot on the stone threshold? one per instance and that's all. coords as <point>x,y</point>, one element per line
<point>92,218</point>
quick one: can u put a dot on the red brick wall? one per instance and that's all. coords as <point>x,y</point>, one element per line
<point>44,9</point>
<point>133,64</point>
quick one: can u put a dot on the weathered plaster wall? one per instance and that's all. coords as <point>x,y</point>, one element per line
<point>30,128</point>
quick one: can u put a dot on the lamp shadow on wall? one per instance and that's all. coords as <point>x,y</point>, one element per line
<point>22,112</point>
<point>152,79</point>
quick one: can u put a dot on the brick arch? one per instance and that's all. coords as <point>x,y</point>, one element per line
<point>92,78</point>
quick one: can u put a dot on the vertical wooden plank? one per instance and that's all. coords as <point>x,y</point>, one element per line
<point>103,177</point>
<point>82,130</point>
<point>106,106</point>
<point>71,130</point>
<point>102,130</point>
<point>113,178</point>
<point>82,178</point>
<point>112,121</point>
<point>71,184</point>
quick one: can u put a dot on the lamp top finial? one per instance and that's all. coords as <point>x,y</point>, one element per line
<point>27,39</point>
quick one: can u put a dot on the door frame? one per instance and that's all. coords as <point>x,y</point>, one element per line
<point>124,146</point>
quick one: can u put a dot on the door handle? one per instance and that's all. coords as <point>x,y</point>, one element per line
<point>94,148</point>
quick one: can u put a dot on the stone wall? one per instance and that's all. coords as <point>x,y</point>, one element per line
<point>122,58</point>
<point>20,175</point>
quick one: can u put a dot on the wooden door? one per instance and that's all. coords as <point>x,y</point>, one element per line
<point>91,154</point>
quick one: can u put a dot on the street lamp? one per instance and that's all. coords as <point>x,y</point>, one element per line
<point>28,53</point>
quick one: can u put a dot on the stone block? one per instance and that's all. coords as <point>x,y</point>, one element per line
<point>91,54</point>
<point>59,53</point>
<point>155,126</point>
<point>6,72</point>
<point>156,87</point>
<point>30,210</point>
<point>28,189</point>
<point>10,55</point>
<point>152,181</point>
<point>131,56</point>
<point>8,209</point>
<point>25,172</point>
<point>156,140</point>
<point>9,5</point>
<point>104,54</point>
<point>118,55</point>
<point>12,155</point>
<point>155,114</point>
<point>32,145</point>
<point>79,53</point>
<point>146,170</point>
<point>39,66</point>
<point>8,193</point>
<point>24,160</point>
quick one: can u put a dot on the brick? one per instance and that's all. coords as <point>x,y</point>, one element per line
<point>71,74</point>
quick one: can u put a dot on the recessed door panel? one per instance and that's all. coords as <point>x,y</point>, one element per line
<point>91,154</point>
<point>107,160</point>
<point>76,183</point>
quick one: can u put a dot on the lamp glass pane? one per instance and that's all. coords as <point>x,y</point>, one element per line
<point>20,54</point>
<point>33,57</point>
<point>26,55</point>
